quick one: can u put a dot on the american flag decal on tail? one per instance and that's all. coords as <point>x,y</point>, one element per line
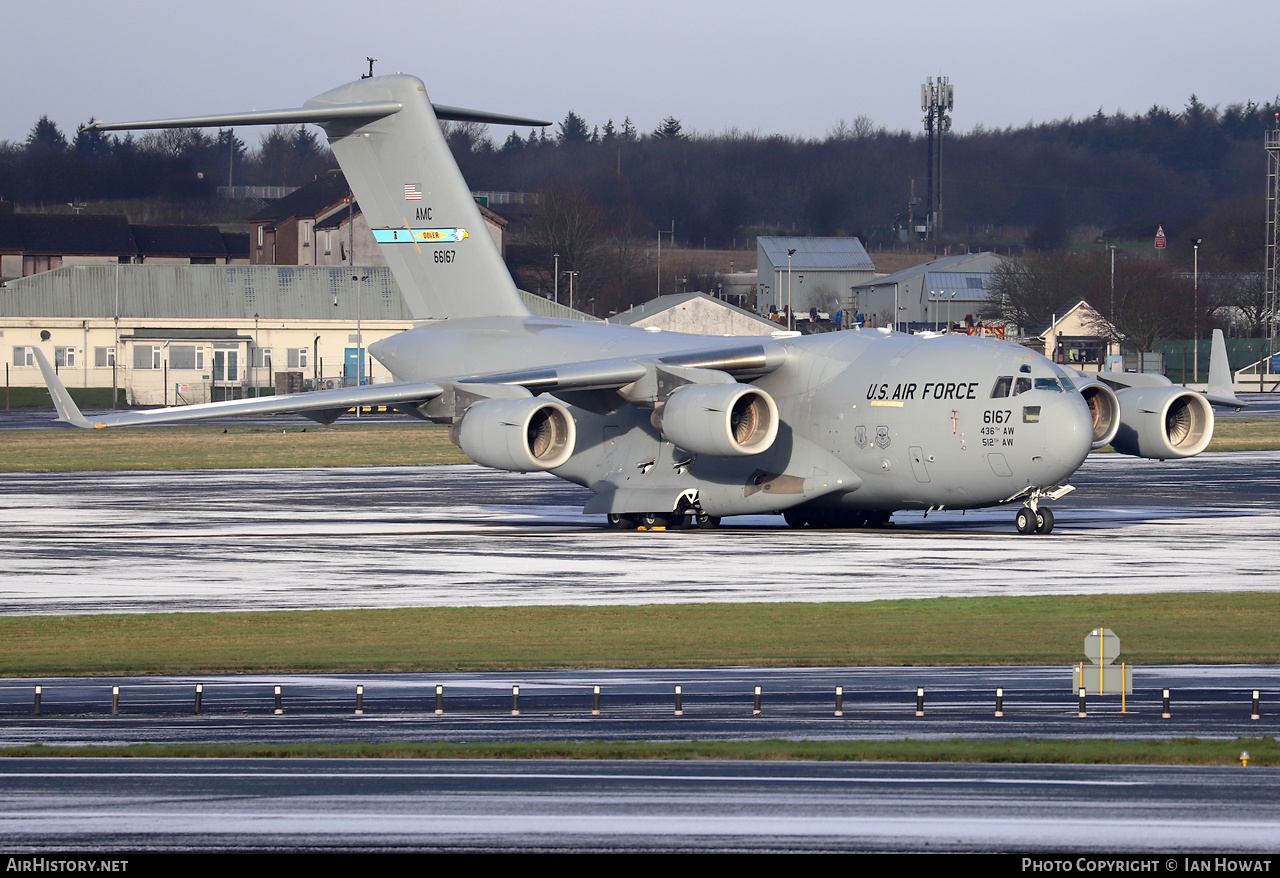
<point>412,192</point>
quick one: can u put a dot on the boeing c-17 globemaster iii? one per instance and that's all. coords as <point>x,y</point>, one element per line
<point>674,430</point>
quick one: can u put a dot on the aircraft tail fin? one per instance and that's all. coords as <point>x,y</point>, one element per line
<point>1221,387</point>
<point>386,135</point>
<point>68,411</point>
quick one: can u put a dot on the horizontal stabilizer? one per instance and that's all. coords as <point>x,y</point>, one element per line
<point>297,115</point>
<point>318,115</point>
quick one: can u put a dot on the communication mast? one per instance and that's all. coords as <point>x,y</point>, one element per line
<point>937,99</point>
<point>1273,226</point>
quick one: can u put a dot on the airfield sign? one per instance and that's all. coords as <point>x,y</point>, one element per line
<point>1160,238</point>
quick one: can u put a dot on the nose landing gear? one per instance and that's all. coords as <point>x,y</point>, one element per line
<point>1034,521</point>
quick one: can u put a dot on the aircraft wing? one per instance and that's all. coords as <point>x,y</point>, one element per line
<point>323,405</point>
<point>745,361</point>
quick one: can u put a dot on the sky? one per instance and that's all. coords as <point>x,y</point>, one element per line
<point>773,68</point>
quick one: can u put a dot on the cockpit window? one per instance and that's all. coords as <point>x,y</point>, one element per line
<point>1003,384</point>
<point>1048,384</point>
<point>1022,386</point>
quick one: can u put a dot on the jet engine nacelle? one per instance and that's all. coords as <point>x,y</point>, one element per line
<point>724,420</point>
<point>521,435</point>
<point>1104,407</point>
<point>1163,422</point>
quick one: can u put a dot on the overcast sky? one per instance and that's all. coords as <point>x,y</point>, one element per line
<point>792,68</point>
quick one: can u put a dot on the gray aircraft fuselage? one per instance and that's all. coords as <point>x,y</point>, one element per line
<point>870,420</point>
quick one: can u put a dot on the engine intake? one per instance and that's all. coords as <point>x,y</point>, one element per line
<point>722,420</point>
<point>521,435</point>
<point>1163,422</point>
<point>1104,407</point>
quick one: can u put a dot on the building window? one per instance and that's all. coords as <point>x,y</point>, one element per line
<point>64,358</point>
<point>104,358</point>
<point>298,358</point>
<point>146,356</point>
<point>328,242</point>
<point>261,358</point>
<point>183,356</point>
<point>260,237</point>
<point>23,357</point>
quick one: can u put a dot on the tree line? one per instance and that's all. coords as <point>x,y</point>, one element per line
<point>171,164</point>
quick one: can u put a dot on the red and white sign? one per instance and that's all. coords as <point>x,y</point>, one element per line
<point>1160,238</point>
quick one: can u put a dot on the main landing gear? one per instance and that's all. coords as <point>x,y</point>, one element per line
<point>836,519</point>
<point>1034,521</point>
<point>691,519</point>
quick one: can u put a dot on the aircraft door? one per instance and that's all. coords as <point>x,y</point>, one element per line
<point>918,464</point>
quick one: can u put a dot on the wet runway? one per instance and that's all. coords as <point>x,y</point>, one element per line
<point>462,535</point>
<point>451,805</point>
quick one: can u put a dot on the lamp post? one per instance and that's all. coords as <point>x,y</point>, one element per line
<point>1195,308</point>
<point>555,279</point>
<point>571,275</point>
<point>790,318</point>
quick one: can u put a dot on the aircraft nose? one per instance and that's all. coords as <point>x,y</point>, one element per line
<point>1068,433</point>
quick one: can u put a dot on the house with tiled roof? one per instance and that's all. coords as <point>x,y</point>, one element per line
<point>318,224</point>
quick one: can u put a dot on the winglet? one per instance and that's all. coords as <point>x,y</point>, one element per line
<point>1221,387</point>
<point>62,401</point>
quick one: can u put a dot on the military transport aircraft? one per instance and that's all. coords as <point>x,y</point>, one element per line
<point>675,430</point>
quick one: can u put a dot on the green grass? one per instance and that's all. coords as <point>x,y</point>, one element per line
<point>347,444</point>
<point>1154,629</point>
<point>1184,751</point>
<point>238,447</point>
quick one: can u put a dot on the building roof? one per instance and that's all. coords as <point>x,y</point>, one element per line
<point>211,334</point>
<point>236,244</point>
<point>77,234</point>
<point>960,286</point>
<point>816,253</point>
<point>963,263</point>
<point>675,300</point>
<point>1061,314</point>
<point>312,200</point>
<point>179,241</point>
<point>220,292</point>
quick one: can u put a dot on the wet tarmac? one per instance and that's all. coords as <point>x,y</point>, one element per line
<point>462,535</point>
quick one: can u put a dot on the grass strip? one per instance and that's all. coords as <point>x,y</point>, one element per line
<point>235,447</point>
<point>1086,751</point>
<point>349,444</point>
<point>1154,629</point>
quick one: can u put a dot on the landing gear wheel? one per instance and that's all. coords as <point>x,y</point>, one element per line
<point>653,520</point>
<point>1046,520</point>
<point>1027,521</point>
<point>794,518</point>
<point>703,521</point>
<point>621,522</point>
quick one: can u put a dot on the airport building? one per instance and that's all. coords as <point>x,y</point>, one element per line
<point>695,313</point>
<point>818,275</point>
<point>180,334</point>
<point>952,289</point>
